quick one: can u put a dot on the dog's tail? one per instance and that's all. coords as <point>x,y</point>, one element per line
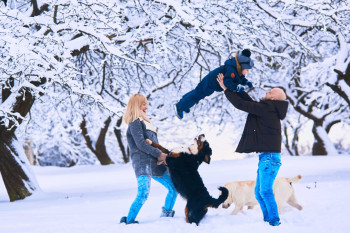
<point>224,194</point>
<point>294,179</point>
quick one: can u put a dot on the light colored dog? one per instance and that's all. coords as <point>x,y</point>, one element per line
<point>241,193</point>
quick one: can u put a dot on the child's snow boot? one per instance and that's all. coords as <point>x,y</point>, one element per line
<point>178,112</point>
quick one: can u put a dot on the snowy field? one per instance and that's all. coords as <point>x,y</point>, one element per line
<point>93,199</point>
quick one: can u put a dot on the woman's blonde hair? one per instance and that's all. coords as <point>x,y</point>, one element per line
<point>133,110</point>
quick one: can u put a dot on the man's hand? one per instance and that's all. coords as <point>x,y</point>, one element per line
<point>220,80</point>
<point>162,159</point>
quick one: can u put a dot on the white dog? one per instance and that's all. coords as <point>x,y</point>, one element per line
<point>241,193</point>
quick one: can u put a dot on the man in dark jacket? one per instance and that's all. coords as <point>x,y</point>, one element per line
<point>262,134</point>
<point>234,71</point>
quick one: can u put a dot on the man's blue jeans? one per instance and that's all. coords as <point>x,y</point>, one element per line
<point>269,164</point>
<point>143,188</point>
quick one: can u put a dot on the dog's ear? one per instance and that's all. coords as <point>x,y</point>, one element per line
<point>207,159</point>
<point>206,147</point>
<point>208,152</point>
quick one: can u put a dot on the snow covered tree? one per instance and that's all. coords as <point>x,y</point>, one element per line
<point>17,100</point>
<point>37,53</point>
<point>87,57</point>
<point>18,180</point>
<point>312,40</point>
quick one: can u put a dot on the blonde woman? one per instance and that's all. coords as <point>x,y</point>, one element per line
<point>145,157</point>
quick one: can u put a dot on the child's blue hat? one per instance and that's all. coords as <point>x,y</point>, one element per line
<point>244,59</point>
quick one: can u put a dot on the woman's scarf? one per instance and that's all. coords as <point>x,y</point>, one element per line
<point>144,118</point>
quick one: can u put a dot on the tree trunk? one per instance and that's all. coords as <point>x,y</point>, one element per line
<point>15,172</point>
<point>14,168</point>
<point>292,147</point>
<point>100,150</point>
<point>295,141</point>
<point>286,144</point>
<point>118,134</point>
<point>322,144</point>
<point>318,148</point>
<point>6,88</point>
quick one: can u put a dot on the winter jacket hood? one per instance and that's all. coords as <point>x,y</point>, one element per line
<point>281,107</point>
<point>231,62</point>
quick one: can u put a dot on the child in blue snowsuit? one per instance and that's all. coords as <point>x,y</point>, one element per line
<point>234,71</point>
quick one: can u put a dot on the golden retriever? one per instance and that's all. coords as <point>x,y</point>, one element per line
<point>241,193</point>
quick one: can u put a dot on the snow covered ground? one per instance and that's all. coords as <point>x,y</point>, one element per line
<point>93,199</point>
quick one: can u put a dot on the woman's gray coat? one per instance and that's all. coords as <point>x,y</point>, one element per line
<point>144,156</point>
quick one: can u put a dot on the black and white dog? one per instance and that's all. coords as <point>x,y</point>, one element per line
<point>183,168</point>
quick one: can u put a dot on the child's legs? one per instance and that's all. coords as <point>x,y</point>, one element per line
<point>191,98</point>
<point>143,186</point>
<point>172,194</point>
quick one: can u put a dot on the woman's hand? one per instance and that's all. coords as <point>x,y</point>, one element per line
<point>220,80</point>
<point>162,159</point>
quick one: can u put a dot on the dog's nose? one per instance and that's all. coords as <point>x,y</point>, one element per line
<point>225,206</point>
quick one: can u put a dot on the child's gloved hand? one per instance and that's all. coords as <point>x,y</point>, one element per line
<point>240,88</point>
<point>249,84</point>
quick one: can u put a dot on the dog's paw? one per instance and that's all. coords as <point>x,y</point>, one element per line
<point>148,141</point>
